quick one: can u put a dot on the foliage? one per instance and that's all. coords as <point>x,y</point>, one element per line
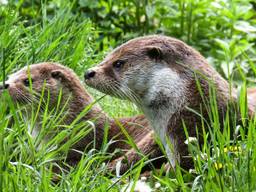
<point>78,33</point>
<point>222,30</point>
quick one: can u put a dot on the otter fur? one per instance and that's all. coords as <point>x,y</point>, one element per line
<point>26,86</point>
<point>166,78</point>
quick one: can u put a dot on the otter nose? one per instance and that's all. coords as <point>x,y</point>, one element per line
<point>5,86</point>
<point>89,74</point>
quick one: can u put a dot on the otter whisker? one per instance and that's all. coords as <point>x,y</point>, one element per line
<point>40,105</point>
<point>24,98</point>
<point>128,92</point>
<point>136,99</point>
<point>117,91</point>
<point>115,87</point>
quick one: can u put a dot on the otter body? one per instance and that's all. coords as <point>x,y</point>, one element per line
<point>161,75</point>
<point>27,86</point>
<point>252,96</point>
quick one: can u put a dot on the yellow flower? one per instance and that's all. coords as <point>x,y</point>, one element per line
<point>232,149</point>
<point>218,166</point>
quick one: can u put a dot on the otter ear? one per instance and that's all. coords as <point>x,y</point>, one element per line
<point>154,52</point>
<point>57,74</point>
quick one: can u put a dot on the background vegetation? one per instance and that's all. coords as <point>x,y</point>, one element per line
<point>79,33</point>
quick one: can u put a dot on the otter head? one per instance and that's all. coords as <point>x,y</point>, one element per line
<point>44,79</point>
<point>150,71</point>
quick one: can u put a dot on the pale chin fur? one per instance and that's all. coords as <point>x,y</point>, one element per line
<point>34,129</point>
<point>168,85</point>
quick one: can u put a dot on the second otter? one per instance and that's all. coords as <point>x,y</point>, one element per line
<point>166,78</point>
<point>27,86</point>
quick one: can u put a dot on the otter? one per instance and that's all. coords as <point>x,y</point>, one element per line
<point>165,78</point>
<point>252,95</point>
<point>26,86</point>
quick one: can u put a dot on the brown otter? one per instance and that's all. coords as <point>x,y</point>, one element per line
<point>27,85</point>
<point>166,78</point>
<point>252,95</point>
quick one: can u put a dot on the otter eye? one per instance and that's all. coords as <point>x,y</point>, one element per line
<point>118,64</point>
<point>26,82</point>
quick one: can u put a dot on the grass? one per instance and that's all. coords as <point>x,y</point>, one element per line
<point>223,163</point>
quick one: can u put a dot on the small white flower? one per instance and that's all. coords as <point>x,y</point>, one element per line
<point>192,171</point>
<point>190,140</point>
<point>157,185</point>
<point>140,186</point>
<point>143,178</point>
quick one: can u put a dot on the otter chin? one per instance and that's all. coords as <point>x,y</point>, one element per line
<point>60,87</point>
<point>163,76</point>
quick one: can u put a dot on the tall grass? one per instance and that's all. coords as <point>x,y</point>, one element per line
<point>225,162</point>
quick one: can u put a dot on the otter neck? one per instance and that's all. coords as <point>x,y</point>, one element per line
<point>79,102</point>
<point>165,97</point>
<point>95,114</point>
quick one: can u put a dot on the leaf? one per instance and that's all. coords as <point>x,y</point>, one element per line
<point>227,68</point>
<point>223,44</point>
<point>244,26</point>
<point>150,11</point>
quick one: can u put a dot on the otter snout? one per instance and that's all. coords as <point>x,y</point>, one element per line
<point>89,74</point>
<point>5,86</point>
